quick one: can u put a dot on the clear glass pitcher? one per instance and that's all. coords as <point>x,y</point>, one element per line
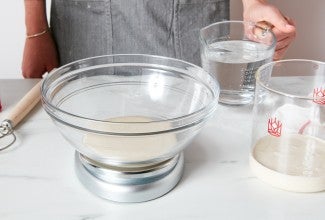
<point>232,51</point>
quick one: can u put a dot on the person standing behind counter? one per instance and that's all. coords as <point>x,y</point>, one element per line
<point>81,29</point>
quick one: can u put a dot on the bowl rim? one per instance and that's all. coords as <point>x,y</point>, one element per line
<point>260,73</point>
<point>194,117</point>
<point>238,22</point>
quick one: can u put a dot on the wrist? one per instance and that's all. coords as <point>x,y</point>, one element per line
<point>37,34</point>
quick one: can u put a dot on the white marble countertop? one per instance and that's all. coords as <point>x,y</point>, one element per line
<point>38,180</point>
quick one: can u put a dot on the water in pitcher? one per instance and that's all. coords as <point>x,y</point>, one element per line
<point>234,64</point>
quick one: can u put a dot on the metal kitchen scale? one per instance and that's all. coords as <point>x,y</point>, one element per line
<point>125,160</point>
<point>129,184</point>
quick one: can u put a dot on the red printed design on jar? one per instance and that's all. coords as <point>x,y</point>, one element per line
<point>274,127</point>
<point>319,96</point>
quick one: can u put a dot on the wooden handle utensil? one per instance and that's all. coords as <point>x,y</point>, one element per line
<point>25,105</point>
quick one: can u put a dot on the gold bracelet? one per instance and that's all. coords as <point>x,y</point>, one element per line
<point>38,34</point>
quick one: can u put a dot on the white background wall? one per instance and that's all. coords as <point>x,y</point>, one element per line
<point>309,44</point>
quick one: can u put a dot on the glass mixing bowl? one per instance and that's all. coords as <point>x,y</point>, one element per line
<point>129,110</point>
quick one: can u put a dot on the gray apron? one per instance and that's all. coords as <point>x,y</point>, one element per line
<point>86,28</point>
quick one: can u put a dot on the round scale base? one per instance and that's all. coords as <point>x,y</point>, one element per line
<point>129,184</point>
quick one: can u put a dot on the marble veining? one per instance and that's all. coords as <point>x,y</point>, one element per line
<point>23,177</point>
<point>91,217</point>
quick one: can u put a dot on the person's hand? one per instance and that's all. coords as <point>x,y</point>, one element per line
<point>40,56</point>
<point>282,26</point>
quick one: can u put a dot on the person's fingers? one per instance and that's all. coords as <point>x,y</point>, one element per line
<point>280,35</point>
<point>268,17</point>
<point>275,17</point>
<point>284,43</point>
<point>261,28</point>
<point>264,25</point>
<point>279,54</point>
<point>290,20</point>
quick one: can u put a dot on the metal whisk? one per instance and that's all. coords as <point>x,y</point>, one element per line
<point>18,113</point>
